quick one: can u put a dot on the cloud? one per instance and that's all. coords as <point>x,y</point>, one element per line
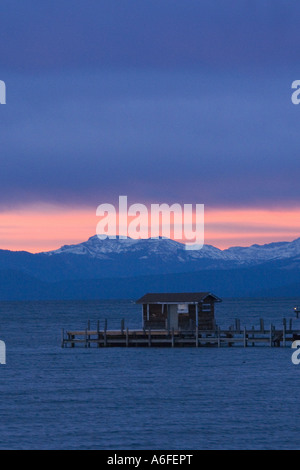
<point>162,101</point>
<point>174,33</point>
<point>82,137</point>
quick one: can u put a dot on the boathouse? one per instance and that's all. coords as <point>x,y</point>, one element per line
<point>179,311</point>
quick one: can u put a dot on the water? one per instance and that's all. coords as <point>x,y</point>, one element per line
<point>181,399</point>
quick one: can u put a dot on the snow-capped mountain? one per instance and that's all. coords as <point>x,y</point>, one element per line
<point>269,252</point>
<point>128,268</point>
<point>167,249</point>
<point>163,247</point>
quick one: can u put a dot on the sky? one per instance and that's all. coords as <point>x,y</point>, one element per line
<point>165,101</point>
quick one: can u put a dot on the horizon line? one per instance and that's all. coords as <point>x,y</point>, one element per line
<point>122,237</point>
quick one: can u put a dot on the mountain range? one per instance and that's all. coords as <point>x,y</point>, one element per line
<point>127,268</point>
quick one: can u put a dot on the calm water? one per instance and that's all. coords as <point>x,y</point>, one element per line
<point>143,398</point>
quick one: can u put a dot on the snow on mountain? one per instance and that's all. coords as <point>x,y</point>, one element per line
<point>103,249</point>
<point>271,251</point>
<point>170,249</point>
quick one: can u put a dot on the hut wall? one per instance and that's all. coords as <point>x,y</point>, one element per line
<point>187,321</point>
<point>158,315</point>
<point>206,314</point>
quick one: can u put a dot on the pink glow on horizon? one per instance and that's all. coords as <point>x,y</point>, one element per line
<point>45,227</point>
<point>244,227</point>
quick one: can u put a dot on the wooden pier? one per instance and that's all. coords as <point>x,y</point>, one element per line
<point>232,337</point>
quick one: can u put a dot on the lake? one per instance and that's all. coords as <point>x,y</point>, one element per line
<point>112,399</point>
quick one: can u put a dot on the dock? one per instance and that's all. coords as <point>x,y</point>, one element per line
<point>235,335</point>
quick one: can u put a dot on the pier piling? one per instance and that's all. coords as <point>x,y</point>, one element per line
<point>231,337</point>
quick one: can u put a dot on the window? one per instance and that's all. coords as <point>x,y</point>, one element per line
<point>183,308</point>
<point>206,307</point>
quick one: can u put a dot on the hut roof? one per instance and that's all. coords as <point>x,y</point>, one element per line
<point>183,297</point>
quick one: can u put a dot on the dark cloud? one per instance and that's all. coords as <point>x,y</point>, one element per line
<point>60,34</point>
<point>159,100</point>
<point>150,135</point>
